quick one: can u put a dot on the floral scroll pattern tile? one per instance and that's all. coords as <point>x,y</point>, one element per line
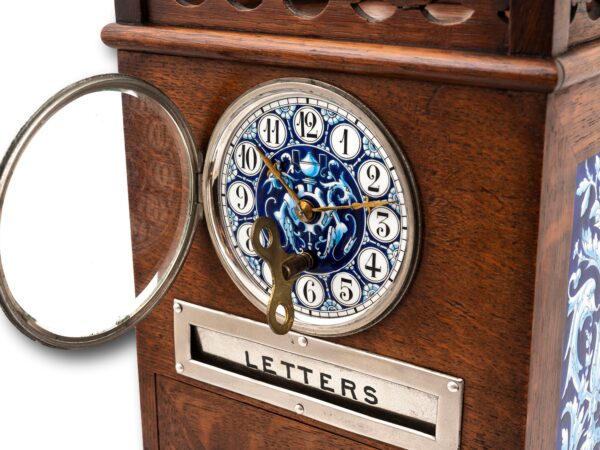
<point>579,415</point>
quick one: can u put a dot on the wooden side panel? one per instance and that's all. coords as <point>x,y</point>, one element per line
<point>477,155</point>
<point>192,418</point>
<point>573,135</point>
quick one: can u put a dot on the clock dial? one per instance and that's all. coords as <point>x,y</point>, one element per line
<point>332,152</point>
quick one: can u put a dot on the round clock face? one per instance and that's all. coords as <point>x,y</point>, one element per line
<point>335,154</point>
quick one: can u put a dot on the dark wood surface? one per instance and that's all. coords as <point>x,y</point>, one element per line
<point>573,133</point>
<point>414,22</point>
<point>477,157</point>
<point>192,418</point>
<point>532,25</point>
<point>148,401</point>
<point>130,11</point>
<point>467,68</point>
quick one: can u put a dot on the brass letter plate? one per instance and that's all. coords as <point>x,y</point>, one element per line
<point>376,397</point>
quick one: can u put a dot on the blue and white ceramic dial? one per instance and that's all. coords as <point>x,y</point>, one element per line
<point>332,152</point>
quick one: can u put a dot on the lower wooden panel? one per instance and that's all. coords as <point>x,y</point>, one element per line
<point>192,418</point>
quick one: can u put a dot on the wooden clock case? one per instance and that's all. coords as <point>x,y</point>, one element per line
<point>492,101</point>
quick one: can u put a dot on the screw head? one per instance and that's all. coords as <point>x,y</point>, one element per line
<point>453,386</point>
<point>299,408</point>
<point>302,341</point>
<point>179,368</point>
<point>177,307</point>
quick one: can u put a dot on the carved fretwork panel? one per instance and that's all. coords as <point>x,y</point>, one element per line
<point>465,24</point>
<point>585,21</point>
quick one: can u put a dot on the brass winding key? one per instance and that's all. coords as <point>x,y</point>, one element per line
<point>285,267</point>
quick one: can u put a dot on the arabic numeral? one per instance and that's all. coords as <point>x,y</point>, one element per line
<point>307,119</point>
<point>346,293</point>
<point>310,291</point>
<point>345,141</point>
<point>272,131</point>
<point>384,224</point>
<point>244,241</point>
<point>374,174</point>
<point>246,158</point>
<point>383,230</point>
<point>345,289</point>
<point>308,124</point>
<point>373,265</point>
<point>374,178</point>
<point>240,197</point>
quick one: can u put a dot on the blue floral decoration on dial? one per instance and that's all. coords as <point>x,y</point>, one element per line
<point>333,237</point>
<point>331,159</point>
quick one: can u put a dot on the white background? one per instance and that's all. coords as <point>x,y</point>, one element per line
<point>53,399</point>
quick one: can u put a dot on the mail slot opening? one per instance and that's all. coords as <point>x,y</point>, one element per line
<point>326,382</point>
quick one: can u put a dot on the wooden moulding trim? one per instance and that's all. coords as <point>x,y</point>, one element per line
<point>450,66</point>
<point>580,64</point>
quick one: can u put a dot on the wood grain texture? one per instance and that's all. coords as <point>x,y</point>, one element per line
<point>572,136</point>
<point>531,26</point>
<point>150,417</point>
<point>458,67</point>
<point>539,27</point>
<point>191,418</point>
<point>477,156</point>
<point>579,64</point>
<point>410,24</point>
<point>130,11</point>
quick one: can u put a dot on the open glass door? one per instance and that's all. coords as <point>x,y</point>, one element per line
<point>98,206</point>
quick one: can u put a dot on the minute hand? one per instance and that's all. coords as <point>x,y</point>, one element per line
<point>277,174</point>
<point>356,205</point>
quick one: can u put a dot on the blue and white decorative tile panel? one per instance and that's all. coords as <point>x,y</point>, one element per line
<point>579,416</point>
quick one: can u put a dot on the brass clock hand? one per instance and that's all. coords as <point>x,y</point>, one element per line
<point>304,209</point>
<point>356,205</point>
<point>285,269</point>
